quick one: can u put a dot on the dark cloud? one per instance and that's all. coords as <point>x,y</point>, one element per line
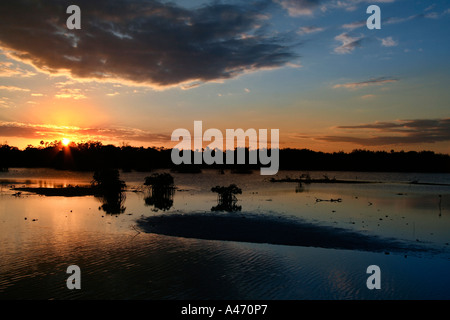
<point>398,132</point>
<point>143,41</point>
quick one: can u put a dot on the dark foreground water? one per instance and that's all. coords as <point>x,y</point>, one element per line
<point>182,249</point>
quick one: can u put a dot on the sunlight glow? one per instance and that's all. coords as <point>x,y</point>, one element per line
<point>65,142</point>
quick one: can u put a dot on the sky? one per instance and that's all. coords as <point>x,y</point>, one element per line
<point>138,69</point>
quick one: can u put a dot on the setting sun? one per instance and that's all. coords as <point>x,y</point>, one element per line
<point>65,142</point>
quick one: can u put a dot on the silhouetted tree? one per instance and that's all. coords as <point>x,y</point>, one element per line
<point>159,180</point>
<point>161,191</point>
<point>110,190</point>
<point>226,198</point>
<point>92,155</point>
<point>113,203</point>
<point>108,180</point>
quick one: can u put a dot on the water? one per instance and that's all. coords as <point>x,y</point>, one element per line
<point>120,261</point>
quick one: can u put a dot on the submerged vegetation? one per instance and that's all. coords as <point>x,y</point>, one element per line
<point>107,181</point>
<point>159,181</point>
<point>226,198</point>
<point>301,180</point>
<point>105,186</point>
<point>109,189</point>
<point>160,191</point>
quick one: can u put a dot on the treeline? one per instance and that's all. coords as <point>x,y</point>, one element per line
<point>365,160</point>
<point>91,156</point>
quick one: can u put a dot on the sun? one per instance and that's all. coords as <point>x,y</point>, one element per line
<point>65,142</point>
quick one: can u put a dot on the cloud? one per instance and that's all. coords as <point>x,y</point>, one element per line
<point>5,103</point>
<point>147,42</point>
<point>9,69</point>
<point>355,25</point>
<point>351,5</point>
<point>395,20</point>
<point>348,43</point>
<point>52,132</point>
<point>297,8</point>
<point>70,94</point>
<point>13,88</point>
<point>436,15</point>
<point>389,42</point>
<point>396,132</point>
<point>362,84</point>
<point>309,29</point>
<point>426,14</point>
<point>431,7</point>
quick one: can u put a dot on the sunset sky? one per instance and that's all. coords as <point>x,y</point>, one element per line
<point>137,70</point>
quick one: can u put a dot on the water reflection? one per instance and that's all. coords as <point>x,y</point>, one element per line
<point>160,198</point>
<point>58,227</point>
<point>112,203</point>
<point>228,207</point>
<point>299,188</point>
<point>160,191</point>
<point>109,189</point>
<point>226,199</point>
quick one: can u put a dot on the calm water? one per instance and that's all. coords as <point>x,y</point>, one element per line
<point>120,261</point>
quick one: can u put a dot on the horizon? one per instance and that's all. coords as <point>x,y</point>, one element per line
<point>75,144</point>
